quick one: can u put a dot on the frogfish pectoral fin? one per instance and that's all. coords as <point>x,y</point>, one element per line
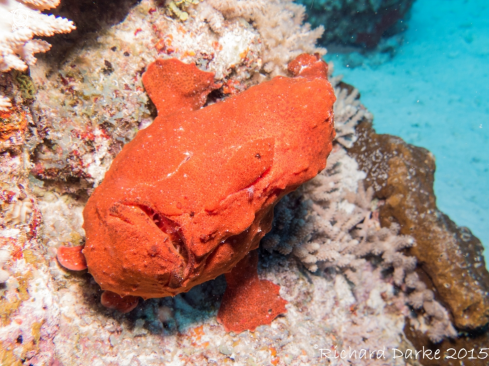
<point>248,301</point>
<point>150,235</point>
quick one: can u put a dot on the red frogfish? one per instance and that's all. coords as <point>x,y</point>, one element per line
<point>192,195</point>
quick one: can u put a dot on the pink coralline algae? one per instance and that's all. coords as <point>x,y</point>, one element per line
<point>193,193</point>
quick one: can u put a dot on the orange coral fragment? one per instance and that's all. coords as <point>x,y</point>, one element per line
<point>124,304</point>
<point>71,258</point>
<point>248,301</point>
<point>193,193</point>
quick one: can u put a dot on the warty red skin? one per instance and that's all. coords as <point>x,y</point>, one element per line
<point>194,192</point>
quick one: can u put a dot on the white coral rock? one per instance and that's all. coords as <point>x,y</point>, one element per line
<point>19,212</point>
<point>4,257</point>
<point>20,22</point>
<point>4,103</point>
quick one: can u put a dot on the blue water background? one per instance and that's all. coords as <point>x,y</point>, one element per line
<point>434,93</point>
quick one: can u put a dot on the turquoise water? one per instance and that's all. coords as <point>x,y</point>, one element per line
<point>434,93</point>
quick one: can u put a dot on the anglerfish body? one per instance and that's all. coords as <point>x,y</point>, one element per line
<point>194,192</point>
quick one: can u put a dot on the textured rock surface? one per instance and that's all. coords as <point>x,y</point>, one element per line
<point>193,193</point>
<point>468,349</point>
<point>403,175</point>
<point>357,22</point>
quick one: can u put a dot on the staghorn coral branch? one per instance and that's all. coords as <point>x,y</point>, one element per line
<point>41,4</point>
<point>348,111</point>
<point>20,22</point>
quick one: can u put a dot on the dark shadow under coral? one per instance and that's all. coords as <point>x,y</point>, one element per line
<point>91,17</point>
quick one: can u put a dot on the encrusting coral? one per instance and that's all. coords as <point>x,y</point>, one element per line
<point>280,24</point>
<point>402,175</point>
<point>250,150</point>
<point>20,22</point>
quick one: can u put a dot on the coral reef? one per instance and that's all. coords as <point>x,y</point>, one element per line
<point>450,260</point>
<point>403,176</point>
<point>362,22</point>
<point>280,24</point>
<point>81,116</point>
<point>26,302</point>
<point>86,112</point>
<point>84,100</point>
<point>337,227</point>
<point>21,21</point>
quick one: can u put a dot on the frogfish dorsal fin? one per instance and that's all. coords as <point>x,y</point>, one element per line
<point>174,86</point>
